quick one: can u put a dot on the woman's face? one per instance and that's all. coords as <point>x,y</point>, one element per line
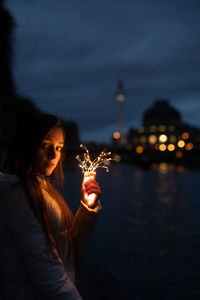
<point>49,154</point>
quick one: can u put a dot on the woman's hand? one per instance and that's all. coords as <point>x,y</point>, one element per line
<point>90,190</point>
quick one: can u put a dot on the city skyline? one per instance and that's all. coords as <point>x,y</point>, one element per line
<point>67,58</point>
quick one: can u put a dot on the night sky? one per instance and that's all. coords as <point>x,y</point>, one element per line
<point>67,56</point>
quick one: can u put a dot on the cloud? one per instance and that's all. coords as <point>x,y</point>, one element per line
<point>67,58</point>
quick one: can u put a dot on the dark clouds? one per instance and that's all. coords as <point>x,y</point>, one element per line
<point>67,56</point>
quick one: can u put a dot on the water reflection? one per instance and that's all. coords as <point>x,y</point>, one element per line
<point>148,235</point>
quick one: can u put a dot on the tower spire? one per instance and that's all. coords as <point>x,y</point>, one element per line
<point>120,97</point>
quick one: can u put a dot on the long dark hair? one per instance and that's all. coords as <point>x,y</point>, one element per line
<point>26,142</point>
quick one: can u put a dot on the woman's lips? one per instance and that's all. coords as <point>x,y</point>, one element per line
<point>50,165</point>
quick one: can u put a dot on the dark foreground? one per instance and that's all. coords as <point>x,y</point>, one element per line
<point>147,242</point>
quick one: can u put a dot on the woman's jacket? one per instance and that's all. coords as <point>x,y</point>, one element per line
<point>28,268</point>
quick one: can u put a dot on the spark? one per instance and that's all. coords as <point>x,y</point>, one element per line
<point>89,166</point>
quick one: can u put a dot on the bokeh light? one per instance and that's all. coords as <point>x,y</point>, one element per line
<point>152,128</point>
<point>181,144</point>
<point>171,147</point>
<point>162,128</point>
<point>163,138</point>
<point>172,139</point>
<point>116,135</point>
<point>116,157</point>
<point>189,146</point>
<point>139,149</point>
<point>152,139</point>
<point>162,147</point>
<point>185,135</point>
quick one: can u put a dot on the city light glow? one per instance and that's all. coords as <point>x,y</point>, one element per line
<point>162,147</point>
<point>152,139</point>
<point>172,139</point>
<point>162,128</point>
<point>185,135</point>
<point>163,168</point>
<point>116,135</point>
<point>163,138</point>
<point>189,146</point>
<point>116,157</point>
<point>152,128</point>
<point>139,149</point>
<point>120,97</point>
<point>171,147</point>
<point>181,144</point>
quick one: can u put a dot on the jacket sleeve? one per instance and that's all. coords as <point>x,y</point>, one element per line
<point>47,274</point>
<point>84,223</point>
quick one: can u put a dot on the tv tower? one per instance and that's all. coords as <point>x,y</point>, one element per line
<point>120,97</point>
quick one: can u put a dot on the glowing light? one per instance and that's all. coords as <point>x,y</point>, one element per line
<point>181,144</point>
<point>120,97</point>
<point>89,169</point>
<point>162,147</point>
<point>163,168</point>
<point>172,139</point>
<point>89,166</point>
<point>163,138</point>
<point>116,135</point>
<point>162,128</point>
<point>179,154</point>
<point>106,162</point>
<point>185,135</point>
<point>157,146</point>
<point>139,149</point>
<point>152,139</point>
<point>171,147</point>
<point>152,128</point>
<point>91,197</point>
<point>116,157</point>
<point>189,146</point>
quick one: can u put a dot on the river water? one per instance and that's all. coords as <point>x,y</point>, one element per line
<point>147,241</point>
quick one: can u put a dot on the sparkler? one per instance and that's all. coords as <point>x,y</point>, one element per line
<point>89,169</point>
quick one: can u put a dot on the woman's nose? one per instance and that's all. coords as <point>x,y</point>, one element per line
<point>51,152</point>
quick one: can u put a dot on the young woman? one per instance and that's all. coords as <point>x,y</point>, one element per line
<point>39,236</point>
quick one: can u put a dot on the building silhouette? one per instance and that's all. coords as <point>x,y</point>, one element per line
<point>161,112</point>
<point>163,137</point>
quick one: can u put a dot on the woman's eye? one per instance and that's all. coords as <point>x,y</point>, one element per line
<point>45,145</point>
<point>59,148</point>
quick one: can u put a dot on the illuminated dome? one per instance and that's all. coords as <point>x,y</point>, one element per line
<point>161,113</point>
